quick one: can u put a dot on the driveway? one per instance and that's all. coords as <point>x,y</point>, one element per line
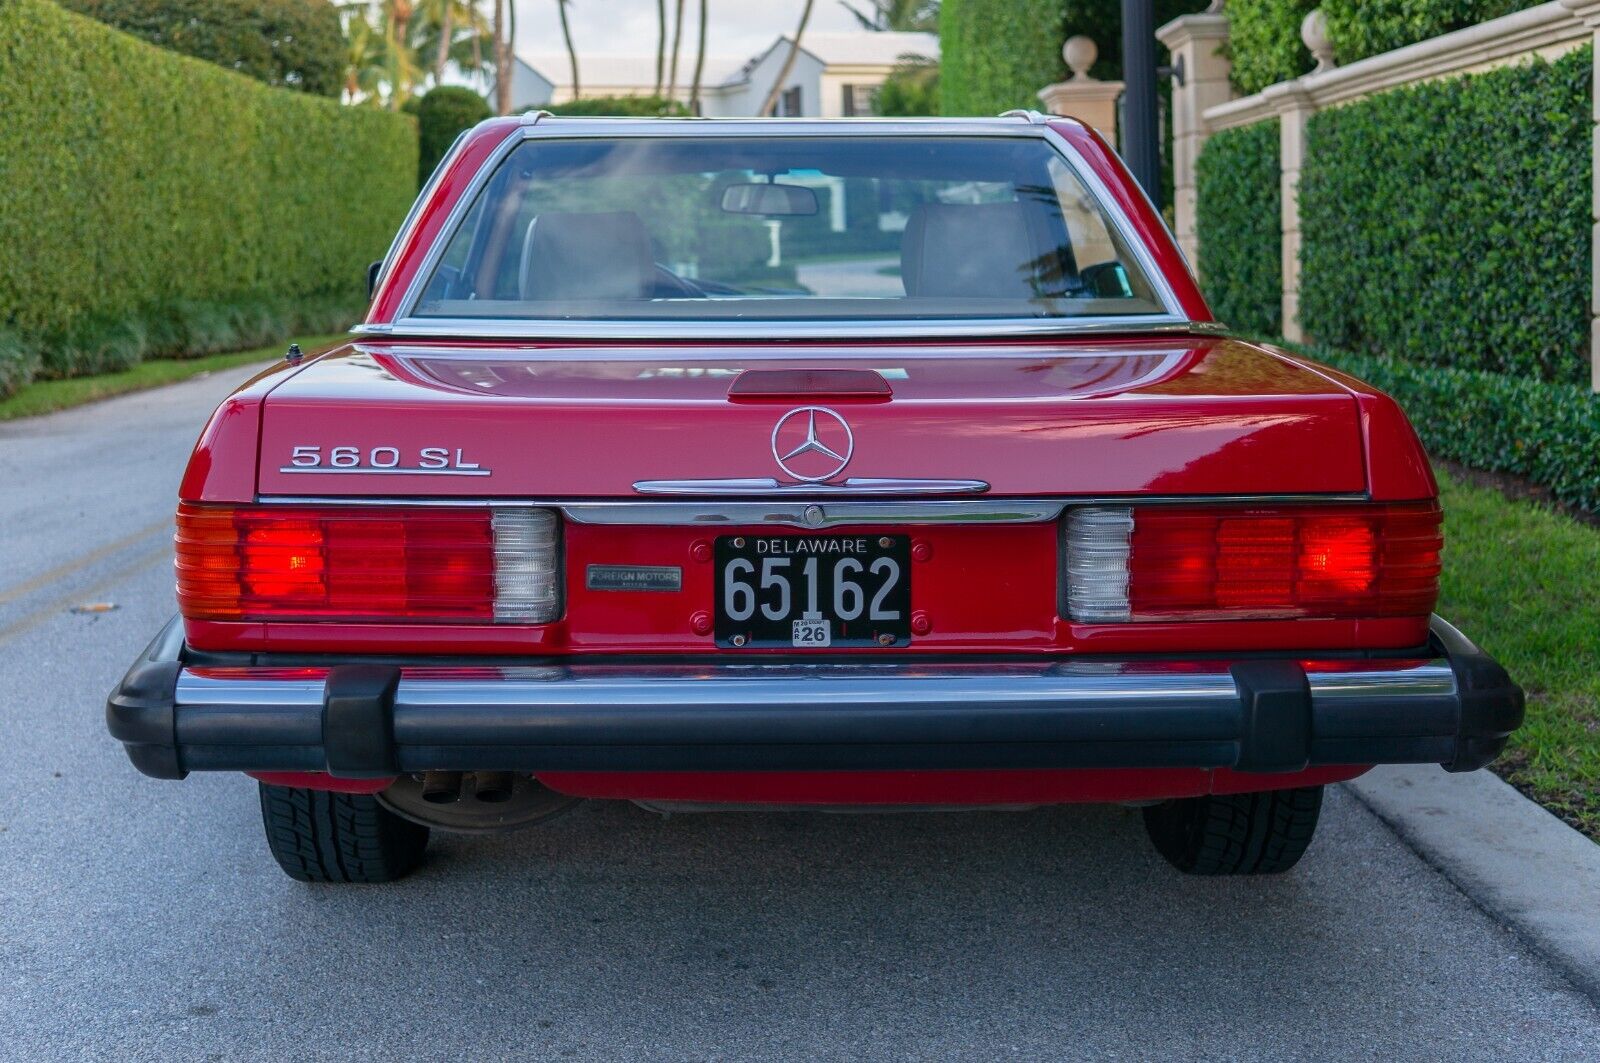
<point>143,919</point>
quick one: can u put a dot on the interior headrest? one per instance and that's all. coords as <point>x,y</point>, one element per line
<point>970,250</point>
<point>587,256</point>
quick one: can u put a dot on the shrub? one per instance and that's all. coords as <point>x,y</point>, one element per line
<point>996,55</point>
<point>619,107</point>
<point>1359,28</point>
<point>1548,433</point>
<point>296,44</point>
<point>441,116</point>
<point>19,361</point>
<point>911,90</point>
<point>160,198</point>
<point>1239,223</point>
<point>1448,223</point>
<point>1264,41</point>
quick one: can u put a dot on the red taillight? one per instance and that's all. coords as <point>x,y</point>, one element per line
<point>1239,562</point>
<point>360,563</point>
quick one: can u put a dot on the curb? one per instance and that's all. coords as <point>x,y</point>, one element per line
<point>1512,858</point>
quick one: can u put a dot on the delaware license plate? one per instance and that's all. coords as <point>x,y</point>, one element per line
<point>813,591</point>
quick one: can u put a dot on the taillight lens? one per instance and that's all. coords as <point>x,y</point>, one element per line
<point>1231,562</point>
<point>401,563</point>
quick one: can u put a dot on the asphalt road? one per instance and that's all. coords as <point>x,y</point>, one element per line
<point>143,919</point>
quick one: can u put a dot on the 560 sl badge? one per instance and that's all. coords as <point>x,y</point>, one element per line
<point>429,461</point>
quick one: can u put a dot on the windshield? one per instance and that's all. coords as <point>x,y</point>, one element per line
<point>785,228</point>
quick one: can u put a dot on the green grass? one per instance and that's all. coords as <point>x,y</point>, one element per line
<point>1524,583</point>
<point>45,396</point>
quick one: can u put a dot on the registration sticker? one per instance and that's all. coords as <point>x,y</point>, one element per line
<point>812,632</point>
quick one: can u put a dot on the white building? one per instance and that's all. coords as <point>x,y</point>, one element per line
<point>834,75</point>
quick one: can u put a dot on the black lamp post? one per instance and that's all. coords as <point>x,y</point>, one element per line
<point>1141,126</point>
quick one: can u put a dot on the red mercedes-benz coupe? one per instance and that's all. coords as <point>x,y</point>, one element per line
<point>846,464</point>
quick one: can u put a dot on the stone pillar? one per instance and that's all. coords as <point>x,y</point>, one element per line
<point>1092,102</point>
<point>1294,109</point>
<point>1589,12</point>
<point>1198,45</point>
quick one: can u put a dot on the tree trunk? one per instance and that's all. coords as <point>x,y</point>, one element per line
<point>788,63</point>
<point>445,30</point>
<point>677,39</point>
<point>572,53</point>
<point>502,60</point>
<point>699,62</point>
<point>661,44</point>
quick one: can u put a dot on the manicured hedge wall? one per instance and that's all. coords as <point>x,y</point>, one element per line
<point>1265,45</point>
<point>158,204</point>
<point>1549,433</point>
<point>1359,28</point>
<point>1264,41</point>
<point>997,54</point>
<point>1448,223</point>
<point>1240,223</point>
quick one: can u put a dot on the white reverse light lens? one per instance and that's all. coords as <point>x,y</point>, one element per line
<point>1097,563</point>
<point>527,559</point>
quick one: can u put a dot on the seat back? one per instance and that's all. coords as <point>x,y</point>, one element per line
<point>974,250</point>
<point>586,256</point>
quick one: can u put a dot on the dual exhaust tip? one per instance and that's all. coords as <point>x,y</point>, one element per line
<point>448,787</point>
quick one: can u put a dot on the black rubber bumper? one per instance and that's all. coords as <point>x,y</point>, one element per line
<point>1451,705</point>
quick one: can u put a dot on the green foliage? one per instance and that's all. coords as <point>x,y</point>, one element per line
<point>19,362</point>
<point>1448,223</point>
<point>620,107</point>
<point>1359,28</point>
<point>1264,41</point>
<point>1239,224</point>
<point>296,44</point>
<point>997,54</point>
<point>152,191</point>
<point>441,116</point>
<point>1548,433</point>
<point>910,91</point>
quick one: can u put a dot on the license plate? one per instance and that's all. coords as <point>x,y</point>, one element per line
<point>813,591</point>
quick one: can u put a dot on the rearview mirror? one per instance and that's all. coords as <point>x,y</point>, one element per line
<point>372,278</point>
<point>771,200</point>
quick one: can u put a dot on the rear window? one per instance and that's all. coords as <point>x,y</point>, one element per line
<point>739,228</point>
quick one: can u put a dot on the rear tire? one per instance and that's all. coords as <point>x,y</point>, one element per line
<point>319,836</point>
<point>1235,834</point>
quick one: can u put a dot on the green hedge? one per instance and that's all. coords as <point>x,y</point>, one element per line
<point>1548,433</point>
<point>995,55</point>
<point>1448,223</point>
<point>1239,223</point>
<point>441,116</point>
<point>1359,28</point>
<point>151,197</point>
<point>1264,41</point>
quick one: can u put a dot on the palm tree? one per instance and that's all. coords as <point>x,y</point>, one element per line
<point>677,39</point>
<point>912,15</point>
<point>771,102</point>
<point>661,43</point>
<point>572,53</point>
<point>699,62</point>
<point>502,60</point>
<point>363,60</point>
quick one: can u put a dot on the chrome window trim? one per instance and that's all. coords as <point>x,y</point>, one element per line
<point>405,324</point>
<point>809,509</point>
<point>410,222</point>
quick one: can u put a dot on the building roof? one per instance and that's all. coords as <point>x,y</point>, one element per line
<point>634,71</point>
<point>868,48</point>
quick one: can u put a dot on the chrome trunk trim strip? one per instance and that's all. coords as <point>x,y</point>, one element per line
<point>855,485</point>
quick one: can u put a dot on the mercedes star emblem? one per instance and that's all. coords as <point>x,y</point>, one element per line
<point>812,444</point>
